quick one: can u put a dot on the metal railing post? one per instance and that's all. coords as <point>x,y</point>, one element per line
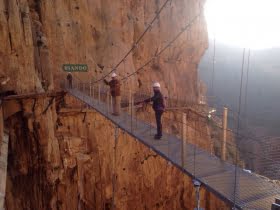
<point>99,96</point>
<point>93,91</point>
<point>131,107</point>
<point>184,138</point>
<point>125,110</point>
<point>111,103</point>
<point>90,89</point>
<point>136,120</point>
<point>168,142</point>
<point>124,99</point>
<point>132,104</point>
<point>150,124</point>
<point>108,102</point>
<point>129,102</point>
<point>236,184</point>
<point>151,93</point>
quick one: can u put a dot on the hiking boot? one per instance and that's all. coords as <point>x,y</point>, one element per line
<point>158,137</point>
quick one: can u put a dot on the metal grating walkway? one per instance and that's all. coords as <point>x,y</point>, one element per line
<point>253,192</point>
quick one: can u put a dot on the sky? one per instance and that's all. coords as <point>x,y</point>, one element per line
<point>251,24</point>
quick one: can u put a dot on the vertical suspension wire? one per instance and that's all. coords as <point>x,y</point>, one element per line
<point>246,88</point>
<point>237,131</point>
<point>169,75</point>
<point>124,91</point>
<point>136,43</point>
<point>114,166</point>
<point>213,66</point>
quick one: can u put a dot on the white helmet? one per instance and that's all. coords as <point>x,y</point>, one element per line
<point>156,85</point>
<point>114,75</point>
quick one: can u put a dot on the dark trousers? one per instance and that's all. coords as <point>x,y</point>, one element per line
<point>70,84</point>
<point>158,120</point>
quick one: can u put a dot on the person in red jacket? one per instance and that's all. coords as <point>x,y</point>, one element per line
<point>115,89</point>
<point>158,106</point>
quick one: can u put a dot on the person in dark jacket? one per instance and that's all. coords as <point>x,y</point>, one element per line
<point>115,89</point>
<point>158,106</point>
<point>70,79</point>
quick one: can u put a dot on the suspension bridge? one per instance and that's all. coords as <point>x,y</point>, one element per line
<point>239,187</point>
<point>230,182</point>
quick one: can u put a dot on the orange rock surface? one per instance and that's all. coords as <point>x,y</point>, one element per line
<point>71,160</point>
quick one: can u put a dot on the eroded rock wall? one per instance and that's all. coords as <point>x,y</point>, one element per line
<point>17,49</point>
<point>71,160</point>
<point>38,36</point>
<point>34,157</point>
<point>64,160</point>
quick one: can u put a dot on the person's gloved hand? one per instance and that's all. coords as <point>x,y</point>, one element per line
<point>139,102</point>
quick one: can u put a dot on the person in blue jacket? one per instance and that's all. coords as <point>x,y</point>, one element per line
<point>158,106</point>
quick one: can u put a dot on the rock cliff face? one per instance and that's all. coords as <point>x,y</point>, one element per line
<point>66,160</point>
<point>37,37</point>
<point>77,160</point>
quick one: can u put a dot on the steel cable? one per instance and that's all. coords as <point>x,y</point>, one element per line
<point>166,46</point>
<point>137,42</point>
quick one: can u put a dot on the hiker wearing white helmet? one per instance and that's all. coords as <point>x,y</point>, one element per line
<point>115,89</point>
<point>158,106</point>
<point>156,85</point>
